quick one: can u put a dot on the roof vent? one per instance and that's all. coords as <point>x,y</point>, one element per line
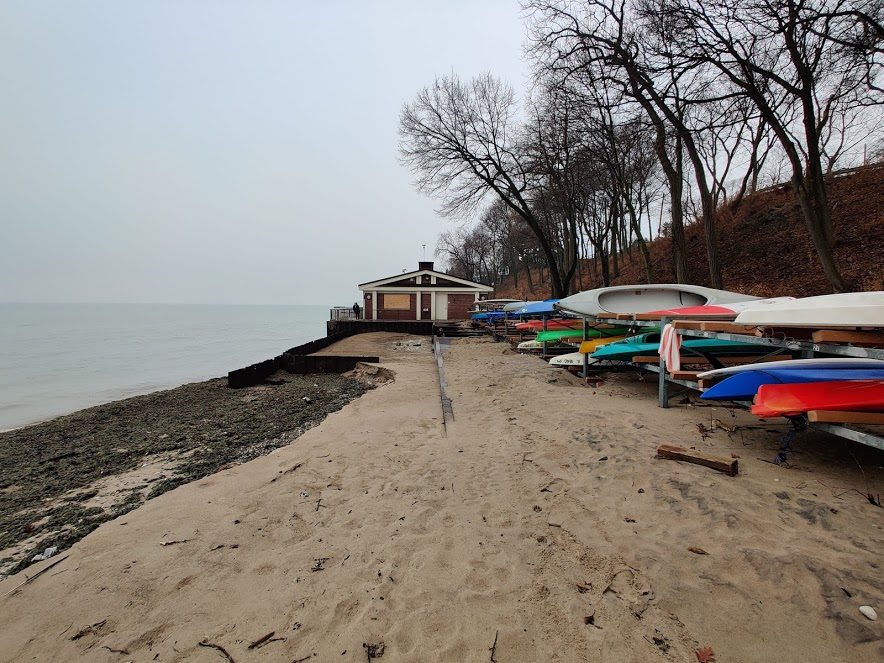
<point>425,265</point>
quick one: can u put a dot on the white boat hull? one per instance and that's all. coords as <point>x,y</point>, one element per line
<point>642,298</point>
<point>855,309</point>
<point>570,359</point>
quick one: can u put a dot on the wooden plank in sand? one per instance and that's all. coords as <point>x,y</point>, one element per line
<point>836,417</point>
<point>727,465</point>
<point>869,338</point>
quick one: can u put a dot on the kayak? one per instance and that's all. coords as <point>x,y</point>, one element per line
<point>744,385</point>
<point>570,359</point>
<point>537,308</point>
<point>649,344</point>
<point>797,364</point>
<point>854,309</point>
<point>489,315</point>
<point>640,298</point>
<point>719,310</point>
<point>558,323</point>
<point>782,400</point>
<point>588,347</point>
<point>592,332</point>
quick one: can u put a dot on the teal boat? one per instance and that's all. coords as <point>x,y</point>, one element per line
<point>554,335</point>
<point>649,344</point>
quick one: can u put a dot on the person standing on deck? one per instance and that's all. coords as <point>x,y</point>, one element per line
<point>356,310</point>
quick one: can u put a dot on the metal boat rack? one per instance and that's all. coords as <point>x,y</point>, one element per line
<point>807,349</point>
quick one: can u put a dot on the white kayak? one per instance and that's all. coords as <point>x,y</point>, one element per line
<point>827,362</point>
<point>852,309</point>
<point>530,345</point>
<point>641,298</point>
<point>570,359</point>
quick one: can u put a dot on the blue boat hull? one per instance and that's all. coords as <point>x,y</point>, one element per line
<point>743,386</point>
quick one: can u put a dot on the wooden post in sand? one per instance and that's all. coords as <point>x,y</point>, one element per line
<point>544,342</point>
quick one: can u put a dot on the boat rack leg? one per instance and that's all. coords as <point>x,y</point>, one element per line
<point>662,385</point>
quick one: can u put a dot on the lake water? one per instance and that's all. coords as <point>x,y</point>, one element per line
<point>59,358</point>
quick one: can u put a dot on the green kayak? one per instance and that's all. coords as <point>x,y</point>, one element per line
<point>560,334</point>
<point>649,344</point>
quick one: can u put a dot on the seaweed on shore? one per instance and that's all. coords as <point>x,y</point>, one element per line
<point>49,469</point>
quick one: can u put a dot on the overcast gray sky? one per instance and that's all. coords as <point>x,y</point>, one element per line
<point>203,151</point>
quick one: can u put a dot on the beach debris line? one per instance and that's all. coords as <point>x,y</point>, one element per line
<point>172,543</point>
<point>32,578</point>
<point>288,471</point>
<point>373,650</point>
<point>869,612</point>
<point>705,655</point>
<point>219,648</point>
<point>46,554</point>
<point>729,466</point>
<point>265,640</point>
<point>115,651</point>
<point>86,630</point>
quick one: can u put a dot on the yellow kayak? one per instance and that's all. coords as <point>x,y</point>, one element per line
<point>593,344</point>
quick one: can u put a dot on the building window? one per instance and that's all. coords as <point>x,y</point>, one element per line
<point>396,302</point>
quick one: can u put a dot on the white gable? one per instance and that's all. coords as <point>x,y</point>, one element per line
<point>416,275</point>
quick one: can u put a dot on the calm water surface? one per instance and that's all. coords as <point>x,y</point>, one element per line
<point>58,358</point>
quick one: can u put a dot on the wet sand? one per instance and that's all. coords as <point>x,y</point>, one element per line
<point>62,478</point>
<point>540,528</point>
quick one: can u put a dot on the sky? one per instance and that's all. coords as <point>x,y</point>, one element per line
<point>211,151</point>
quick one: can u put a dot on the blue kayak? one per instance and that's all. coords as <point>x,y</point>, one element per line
<point>744,385</point>
<point>538,308</point>
<point>488,315</point>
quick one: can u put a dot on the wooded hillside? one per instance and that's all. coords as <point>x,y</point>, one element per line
<point>765,249</point>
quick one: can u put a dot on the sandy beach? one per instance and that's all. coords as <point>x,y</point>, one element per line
<point>539,526</point>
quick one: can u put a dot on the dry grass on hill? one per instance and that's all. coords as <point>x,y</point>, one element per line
<point>765,248</point>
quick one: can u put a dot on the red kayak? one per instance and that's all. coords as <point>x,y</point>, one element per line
<point>710,310</point>
<point>551,325</point>
<point>783,400</point>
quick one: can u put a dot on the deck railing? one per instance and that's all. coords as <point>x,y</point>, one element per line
<point>344,313</point>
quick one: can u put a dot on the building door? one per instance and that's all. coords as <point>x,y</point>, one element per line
<point>441,306</point>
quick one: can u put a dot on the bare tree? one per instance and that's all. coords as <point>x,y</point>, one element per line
<point>600,34</point>
<point>463,142</point>
<point>789,58</point>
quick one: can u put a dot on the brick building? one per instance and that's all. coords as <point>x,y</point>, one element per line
<point>424,294</point>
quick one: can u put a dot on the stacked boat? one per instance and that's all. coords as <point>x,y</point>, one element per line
<point>788,387</point>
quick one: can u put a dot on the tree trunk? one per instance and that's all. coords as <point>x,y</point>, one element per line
<point>673,172</point>
<point>708,211</point>
<point>642,245</point>
<point>811,212</point>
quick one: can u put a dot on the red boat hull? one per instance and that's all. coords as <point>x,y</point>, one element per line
<point>781,400</point>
